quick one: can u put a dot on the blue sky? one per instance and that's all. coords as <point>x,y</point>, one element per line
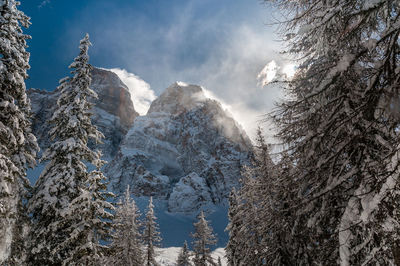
<point>219,44</point>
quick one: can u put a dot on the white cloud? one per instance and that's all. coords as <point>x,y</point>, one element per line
<point>141,93</point>
<point>268,73</point>
<point>248,118</point>
<point>230,79</point>
<point>274,72</point>
<point>289,70</point>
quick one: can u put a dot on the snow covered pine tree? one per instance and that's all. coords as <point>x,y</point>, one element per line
<point>257,189</point>
<point>18,146</point>
<point>203,238</point>
<point>60,232</point>
<point>257,227</point>
<point>151,235</point>
<point>96,220</point>
<point>234,227</point>
<point>341,126</point>
<point>184,256</point>
<point>126,247</point>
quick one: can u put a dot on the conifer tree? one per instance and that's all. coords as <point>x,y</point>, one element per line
<point>340,126</point>
<point>203,238</point>
<point>259,227</point>
<point>126,247</point>
<point>249,215</point>
<point>184,256</point>
<point>250,240</point>
<point>151,235</point>
<point>279,217</point>
<point>19,247</point>
<point>268,186</point>
<point>18,146</point>
<point>234,227</point>
<point>95,225</point>
<point>56,233</point>
<point>219,261</point>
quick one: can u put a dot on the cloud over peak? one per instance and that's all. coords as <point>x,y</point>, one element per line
<point>141,93</point>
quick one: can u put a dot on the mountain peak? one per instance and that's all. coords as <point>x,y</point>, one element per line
<point>186,151</point>
<point>114,95</point>
<point>178,97</point>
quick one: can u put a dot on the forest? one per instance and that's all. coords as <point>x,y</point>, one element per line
<point>328,193</point>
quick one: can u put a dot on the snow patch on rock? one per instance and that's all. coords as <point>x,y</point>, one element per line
<point>189,194</point>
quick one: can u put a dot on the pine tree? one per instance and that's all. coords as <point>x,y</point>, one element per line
<point>340,126</point>
<point>266,185</point>
<point>250,240</point>
<point>234,227</point>
<point>18,146</point>
<point>19,247</point>
<point>184,256</point>
<point>126,247</point>
<point>279,216</point>
<point>262,158</point>
<point>203,238</point>
<point>219,261</point>
<point>259,227</point>
<point>95,225</point>
<point>151,235</point>
<point>56,233</point>
<point>247,227</point>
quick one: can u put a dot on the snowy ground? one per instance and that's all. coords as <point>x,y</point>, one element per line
<point>168,256</point>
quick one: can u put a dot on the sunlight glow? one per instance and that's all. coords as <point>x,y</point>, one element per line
<point>267,74</point>
<point>289,70</point>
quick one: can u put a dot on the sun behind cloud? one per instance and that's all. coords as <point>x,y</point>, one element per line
<point>268,73</point>
<point>274,72</point>
<point>289,70</point>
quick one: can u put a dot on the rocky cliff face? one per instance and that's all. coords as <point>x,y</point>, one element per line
<point>186,151</point>
<point>113,111</point>
<point>113,96</point>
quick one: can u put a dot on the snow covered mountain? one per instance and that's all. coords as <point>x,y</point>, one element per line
<point>186,151</point>
<point>113,112</point>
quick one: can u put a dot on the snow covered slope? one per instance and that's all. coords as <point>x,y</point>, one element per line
<point>168,256</point>
<point>186,151</point>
